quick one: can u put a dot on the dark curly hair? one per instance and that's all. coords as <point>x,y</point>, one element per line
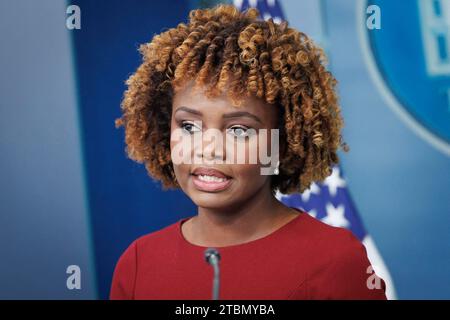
<point>261,58</point>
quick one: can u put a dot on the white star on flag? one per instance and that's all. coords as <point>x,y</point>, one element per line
<point>313,189</point>
<point>335,216</point>
<point>334,181</point>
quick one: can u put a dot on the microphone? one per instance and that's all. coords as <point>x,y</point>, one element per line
<point>212,257</point>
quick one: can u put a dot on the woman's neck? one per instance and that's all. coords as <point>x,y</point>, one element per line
<point>257,217</point>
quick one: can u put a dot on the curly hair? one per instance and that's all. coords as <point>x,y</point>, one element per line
<point>261,58</point>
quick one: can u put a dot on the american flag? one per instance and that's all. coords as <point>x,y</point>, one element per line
<point>330,200</point>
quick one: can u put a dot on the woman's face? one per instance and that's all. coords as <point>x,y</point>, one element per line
<point>214,134</point>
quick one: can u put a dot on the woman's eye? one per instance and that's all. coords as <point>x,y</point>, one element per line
<point>189,127</point>
<point>239,131</point>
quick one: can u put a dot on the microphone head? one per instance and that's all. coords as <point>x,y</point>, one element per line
<point>210,252</point>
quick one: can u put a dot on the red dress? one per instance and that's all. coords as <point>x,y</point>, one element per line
<point>304,259</point>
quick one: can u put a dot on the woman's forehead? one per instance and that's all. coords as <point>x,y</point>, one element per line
<point>197,100</point>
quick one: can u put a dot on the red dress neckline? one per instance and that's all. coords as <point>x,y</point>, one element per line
<point>267,237</point>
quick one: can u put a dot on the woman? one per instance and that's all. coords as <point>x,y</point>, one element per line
<point>228,73</point>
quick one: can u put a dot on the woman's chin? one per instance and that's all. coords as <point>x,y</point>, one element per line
<point>211,200</point>
<point>225,199</point>
<point>215,200</point>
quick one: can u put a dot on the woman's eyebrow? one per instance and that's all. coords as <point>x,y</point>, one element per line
<point>235,114</point>
<point>188,110</point>
<point>238,114</point>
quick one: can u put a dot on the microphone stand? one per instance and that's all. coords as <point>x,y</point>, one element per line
<point>212,257</point>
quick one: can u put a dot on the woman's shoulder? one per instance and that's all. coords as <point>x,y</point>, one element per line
<point>319,233</point>
<point>148,246</point>
<point>160,237</point>
<point>339,264</point>
<point>326,246</point>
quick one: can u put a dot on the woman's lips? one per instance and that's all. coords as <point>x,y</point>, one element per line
<point>209,172</point>
<point>210,186</point>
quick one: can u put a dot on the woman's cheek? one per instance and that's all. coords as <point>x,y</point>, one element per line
<point>181,149</point>
<point>241,151</point>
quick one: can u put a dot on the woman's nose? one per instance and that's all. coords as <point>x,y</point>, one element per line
<point>211,146</point>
